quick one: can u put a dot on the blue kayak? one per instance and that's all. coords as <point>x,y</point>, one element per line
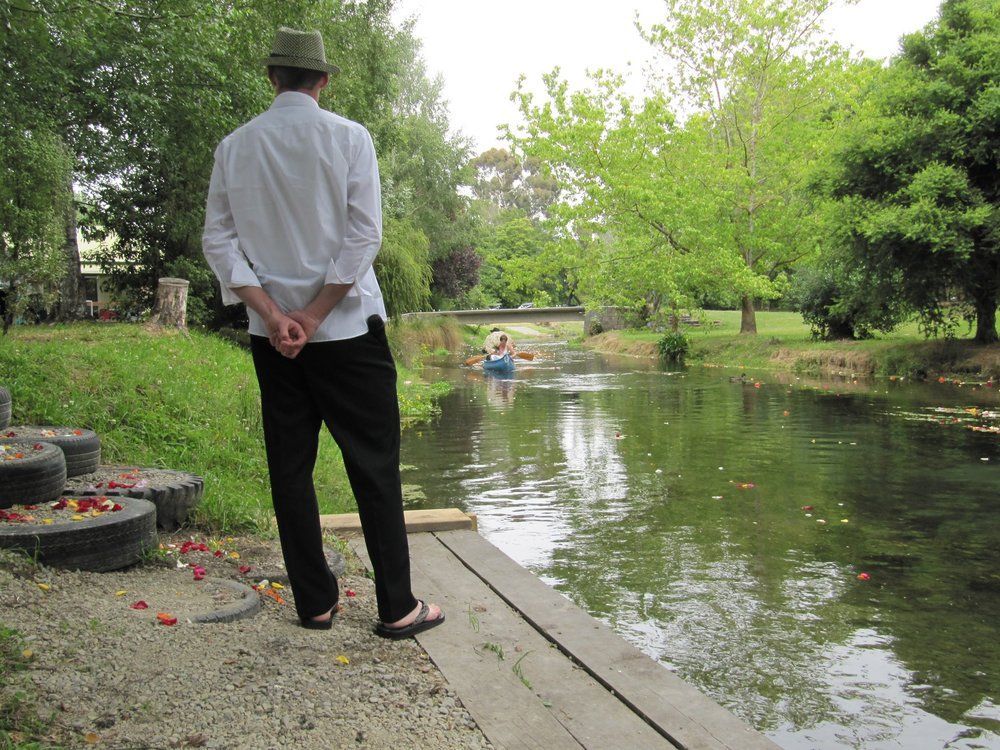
<point>504,364</point>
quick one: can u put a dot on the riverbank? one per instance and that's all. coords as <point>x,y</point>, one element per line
<point>185,402</point>
<point>783,342</point>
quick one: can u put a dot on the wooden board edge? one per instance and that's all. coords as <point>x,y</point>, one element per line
<point>417,521</point>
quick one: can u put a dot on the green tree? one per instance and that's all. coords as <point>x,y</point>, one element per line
<point>763,84</point>
<point>917,178</point>
<point>141,91</point>
<point>402,265</point>
<point>700,190</point>
<point>34,167</point>
<point>503,182</point>
<point>635,225</point>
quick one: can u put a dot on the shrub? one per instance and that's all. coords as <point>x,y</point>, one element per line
<point>673,347</point>
<point>841,302</point>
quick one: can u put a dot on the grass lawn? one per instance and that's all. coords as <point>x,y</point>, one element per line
<point>784,341</point>
<point>172,401</point>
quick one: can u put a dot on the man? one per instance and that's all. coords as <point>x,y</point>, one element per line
<point>293,222</point>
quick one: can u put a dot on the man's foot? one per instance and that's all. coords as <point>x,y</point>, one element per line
<point>423,617</point>
<point>320,622</point>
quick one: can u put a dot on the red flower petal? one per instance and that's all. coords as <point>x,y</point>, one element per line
<point>140,605</point>
<point>351,592</point>
<point>244,569</point>
<point>218,553</point>
<point>166,619</point>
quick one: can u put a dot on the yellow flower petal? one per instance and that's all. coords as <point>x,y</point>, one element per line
<point>121,592</point>
<point>44,586</point>
<point>78,518</point>
<point>47,521</point>
<point>343,659</point>
<point>235,555</point>
<point>27,653</point>
<point>276,585</point>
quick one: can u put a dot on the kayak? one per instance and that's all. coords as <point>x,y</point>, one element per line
<point>504,364</point>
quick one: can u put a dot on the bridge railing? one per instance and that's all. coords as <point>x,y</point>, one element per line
<point>509,315</point>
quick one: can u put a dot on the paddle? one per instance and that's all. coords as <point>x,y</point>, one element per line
<point>480,357</point>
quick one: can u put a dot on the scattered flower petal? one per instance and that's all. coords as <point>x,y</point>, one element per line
<point>140,605</point>
<point>274,595</point>
<point>343,659</point>
<point>864,577</point>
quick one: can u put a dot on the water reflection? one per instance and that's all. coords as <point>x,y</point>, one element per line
<point>721,527</point>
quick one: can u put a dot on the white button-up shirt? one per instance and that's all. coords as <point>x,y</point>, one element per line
<point>294,204</point>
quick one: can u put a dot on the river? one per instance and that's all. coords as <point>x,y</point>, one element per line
<point>822,557</point>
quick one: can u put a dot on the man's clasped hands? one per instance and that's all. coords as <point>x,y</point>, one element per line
<point>289,332</point>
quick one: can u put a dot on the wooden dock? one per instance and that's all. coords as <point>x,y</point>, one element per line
<point>536,671</point>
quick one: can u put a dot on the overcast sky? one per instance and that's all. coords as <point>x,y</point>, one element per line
<point>481,48</point>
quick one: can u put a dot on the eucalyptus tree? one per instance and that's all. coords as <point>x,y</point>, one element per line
<point>917,180</point>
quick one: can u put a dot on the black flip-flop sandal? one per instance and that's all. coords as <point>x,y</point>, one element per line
<point>419,625</point>
<point>311,624</point>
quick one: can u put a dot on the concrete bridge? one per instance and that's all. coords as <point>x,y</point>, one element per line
<point>509,315</point>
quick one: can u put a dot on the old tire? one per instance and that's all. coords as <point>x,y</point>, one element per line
<point>83,451</point>
<point>37,478</point>
<point>4,407</point>
<point>108,542</point>
<point>174,493</point>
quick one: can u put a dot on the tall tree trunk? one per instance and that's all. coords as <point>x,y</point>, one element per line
<point>986,319</point>
<point>69,290</point>
<point>748,321</point>
<point>6,296</point>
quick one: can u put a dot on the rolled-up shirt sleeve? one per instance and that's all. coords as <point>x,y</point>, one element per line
<point>219,242</point>
<point>363,233</point>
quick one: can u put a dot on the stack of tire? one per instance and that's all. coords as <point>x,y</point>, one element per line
<point>35,463</point>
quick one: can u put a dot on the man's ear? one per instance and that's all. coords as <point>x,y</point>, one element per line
<point>324,81</point>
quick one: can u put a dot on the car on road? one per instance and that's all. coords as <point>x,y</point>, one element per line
<point>525,305</point>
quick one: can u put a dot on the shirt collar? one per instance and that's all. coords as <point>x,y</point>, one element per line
<point>293,99</point>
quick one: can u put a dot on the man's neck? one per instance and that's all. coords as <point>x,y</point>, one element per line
<point>314,93</point>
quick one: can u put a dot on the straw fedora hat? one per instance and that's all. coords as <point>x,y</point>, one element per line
<point>299,49</point>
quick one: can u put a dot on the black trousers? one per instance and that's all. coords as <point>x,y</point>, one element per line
<point>349,385</point>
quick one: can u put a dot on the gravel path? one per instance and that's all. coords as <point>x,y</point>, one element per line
<point>114,677</point>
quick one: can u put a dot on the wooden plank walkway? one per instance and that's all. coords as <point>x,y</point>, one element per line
<point>536,671</point>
